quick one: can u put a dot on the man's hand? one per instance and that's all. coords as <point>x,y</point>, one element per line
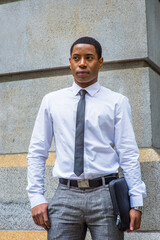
<point>40,216</point>
<point>135,220</point>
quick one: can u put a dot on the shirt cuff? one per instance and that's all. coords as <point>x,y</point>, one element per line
<point>37,199</point>
<point>136,201</point>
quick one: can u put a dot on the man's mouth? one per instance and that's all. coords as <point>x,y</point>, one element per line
<point>82,73</point>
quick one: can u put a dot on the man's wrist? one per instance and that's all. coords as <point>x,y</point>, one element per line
<point>138,208</point>
<point>36,199</point>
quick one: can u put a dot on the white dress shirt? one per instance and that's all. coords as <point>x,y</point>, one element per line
<point>109,140</point>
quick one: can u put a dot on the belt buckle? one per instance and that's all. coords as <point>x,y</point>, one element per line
<point>83,183</point>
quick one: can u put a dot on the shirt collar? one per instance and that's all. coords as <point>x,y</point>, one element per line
<point>91,90</point>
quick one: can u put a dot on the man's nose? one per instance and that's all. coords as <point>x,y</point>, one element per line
<point>82,62</point>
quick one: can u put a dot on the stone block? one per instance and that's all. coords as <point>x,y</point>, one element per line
<point>153,34</point>
<point>150,175</point>
<point>155,107</point>
<point>19,104</point>
<point>23,235</point>
<point>133,83</point>
<point>15,210</point>
<point>142,236</point>
<point>14,182</point>
<point>38,34</point>
<point>20,101</point>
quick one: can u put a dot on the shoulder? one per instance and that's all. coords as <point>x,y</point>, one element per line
<point>112,95</point>
<point>55,97</point>
<point>57,94</point>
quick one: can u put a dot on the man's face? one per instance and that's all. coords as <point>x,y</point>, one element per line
<point>84,64</point>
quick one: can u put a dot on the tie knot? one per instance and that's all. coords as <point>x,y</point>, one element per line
<point>82,92</point>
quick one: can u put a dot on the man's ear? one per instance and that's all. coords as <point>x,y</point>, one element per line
<point>100,62</point>
<point>70,62</point>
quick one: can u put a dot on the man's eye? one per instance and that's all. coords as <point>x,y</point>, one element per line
<point>89,58</point>
<point>76,58</point>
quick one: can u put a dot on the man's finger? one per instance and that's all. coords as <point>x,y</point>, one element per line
<point>137,223</point>
<point>41,219</point>
<point>38,219</point>
<point>131,227</point>
<point>132,221</point>
<point>45,227</point>
<point>46,220</point>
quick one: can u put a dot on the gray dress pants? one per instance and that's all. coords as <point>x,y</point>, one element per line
<point>73,210</point>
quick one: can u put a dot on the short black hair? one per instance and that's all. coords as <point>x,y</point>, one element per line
<point>88,40</point>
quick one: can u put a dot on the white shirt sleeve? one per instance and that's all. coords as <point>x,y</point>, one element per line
<point>38,153</point>
<point>128,152</point>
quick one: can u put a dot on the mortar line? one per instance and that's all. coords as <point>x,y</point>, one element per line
<point>65,70</point>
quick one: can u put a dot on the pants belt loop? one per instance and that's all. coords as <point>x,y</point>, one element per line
<point>68,183</point>
<point>103,181</point>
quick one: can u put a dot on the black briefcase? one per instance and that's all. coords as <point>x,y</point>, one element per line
<point>121,204</point>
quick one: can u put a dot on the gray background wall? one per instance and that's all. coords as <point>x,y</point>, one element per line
<point>35,37</point>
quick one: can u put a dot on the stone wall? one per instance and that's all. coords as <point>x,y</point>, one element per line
<point>35,38</point>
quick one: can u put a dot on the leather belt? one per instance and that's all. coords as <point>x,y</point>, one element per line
<point>89,183</point>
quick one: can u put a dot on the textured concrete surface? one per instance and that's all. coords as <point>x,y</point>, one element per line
<point>16,216</point>
<point>142,236</point>
<point>134,83</point>
<point>15,208</point>
<point>19,104</point>
<point>153,35</point>
<point>155,107</point>
<point>19,160</point>
<point>14,182</point>
<point>150,175</point>
<point>20,101</point>
<point>32,32</point>
<point>23,235</point>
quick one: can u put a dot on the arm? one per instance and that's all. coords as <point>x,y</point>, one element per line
<point>128,153</point>
<point>38,153</point>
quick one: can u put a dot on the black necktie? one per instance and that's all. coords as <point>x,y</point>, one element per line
<point>79,139</point>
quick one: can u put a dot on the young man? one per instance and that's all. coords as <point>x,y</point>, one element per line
<point>93,134</point>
